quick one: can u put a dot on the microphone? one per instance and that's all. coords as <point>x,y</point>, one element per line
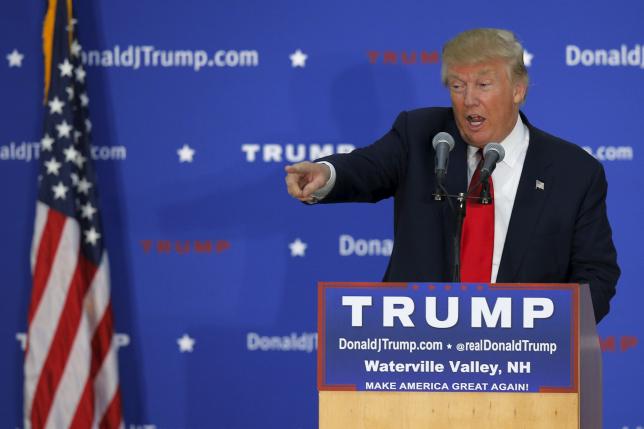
<point>492,153</point>
<point>443,144</point>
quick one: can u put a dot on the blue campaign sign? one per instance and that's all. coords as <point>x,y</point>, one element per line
<point>448,337</point>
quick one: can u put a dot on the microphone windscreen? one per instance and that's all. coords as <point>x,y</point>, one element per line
<point>494,147</point>
<point>443,137</point>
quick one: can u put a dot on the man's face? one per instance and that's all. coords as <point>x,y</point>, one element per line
<point>485,101</point>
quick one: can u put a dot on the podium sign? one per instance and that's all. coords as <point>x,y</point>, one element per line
<point>440,337</point>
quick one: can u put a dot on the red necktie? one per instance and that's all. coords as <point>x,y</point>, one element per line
<point>477,240</point>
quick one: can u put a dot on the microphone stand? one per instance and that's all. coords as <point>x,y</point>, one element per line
<point>460,211</point>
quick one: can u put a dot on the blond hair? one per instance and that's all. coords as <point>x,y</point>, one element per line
<point>485,44</point>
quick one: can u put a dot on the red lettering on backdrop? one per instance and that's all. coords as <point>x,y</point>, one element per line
<point>147,245</point>
<point>373,56</point>
<point>182,249</point>
<point>222,245</point>
<point>627,342</point>
<point>408,59</point>
<point>390,57</point>
<point>429,58</point>
<point>203,247</point>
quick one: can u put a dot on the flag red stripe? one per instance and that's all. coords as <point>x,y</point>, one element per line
<point>63,340</point>
<point>100,347</point>
<point>102,341</point>
<point>84,414</point>
<point>45,260</point>
<point>112,417</point>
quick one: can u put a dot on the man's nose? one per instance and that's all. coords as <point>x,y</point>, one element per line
<point>471,97</point>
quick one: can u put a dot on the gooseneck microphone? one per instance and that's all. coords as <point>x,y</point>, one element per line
<point>492,154</point>
<point>443,144</point>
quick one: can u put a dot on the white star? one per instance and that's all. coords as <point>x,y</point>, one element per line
<point>88,125</point>
<point>298,247</point>
<point>63,129</point>
<point>88,210</point>
<point>84,99</point>
<point>60,190</point>
<point>46,143</point>
<point>53,166</point>
<point>56,106</point>
<point>449,347</point>
<point>186,153</point>
<point>76,48</point>
<point>70,92</point>
<point>91,236</point>
<point>527,58</point>
<point>66,68</point>
<point>70,154</point>
<point>186,343</point>
<point>74,177</point>
<point>70,26</point>
<point>15,58</point>
<point>298,59</point>
<point>80,160</point>
<point>83,186</point>
<point>80,74</point>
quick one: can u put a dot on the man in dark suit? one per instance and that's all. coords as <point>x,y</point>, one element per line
<point>549,222</point>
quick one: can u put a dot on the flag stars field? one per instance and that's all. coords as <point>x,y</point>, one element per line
<point>84,99</point>
<point>56,106</point>
<point>92,236</point>
<point>46,143</point>
<point>60,191</point>
<point>66,68</point>
<point>70,154</point>
<point>83,186</point>
<point>88,210</point>
<point>75,48</point>
<point>53,166</point>
<point>80,74</point>
<point>63,129</point>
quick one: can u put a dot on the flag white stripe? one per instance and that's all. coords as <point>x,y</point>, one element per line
<point>107,380</point>
<point>106,383</point>
<point>43,326</point>
<point>39,226</point>
<point>77,368</point>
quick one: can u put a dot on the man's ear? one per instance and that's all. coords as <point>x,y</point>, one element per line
<point>518,93</point>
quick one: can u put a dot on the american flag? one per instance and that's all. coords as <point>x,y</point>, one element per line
<point>71,370</point>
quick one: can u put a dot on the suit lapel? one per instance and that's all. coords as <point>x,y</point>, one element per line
<point>528,205</point>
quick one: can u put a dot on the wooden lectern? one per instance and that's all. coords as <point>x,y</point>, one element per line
<point>578,407</point>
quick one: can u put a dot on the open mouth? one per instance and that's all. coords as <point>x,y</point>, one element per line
<point>475,121</point>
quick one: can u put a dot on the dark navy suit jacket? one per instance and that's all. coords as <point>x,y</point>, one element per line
<point>559,234</point>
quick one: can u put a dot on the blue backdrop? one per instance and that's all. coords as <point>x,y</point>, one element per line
<point>197,106</point>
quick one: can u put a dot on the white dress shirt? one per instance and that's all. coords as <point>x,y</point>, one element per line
<point>505,180</point>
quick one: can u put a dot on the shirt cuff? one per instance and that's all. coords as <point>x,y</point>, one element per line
<point>321,193</point>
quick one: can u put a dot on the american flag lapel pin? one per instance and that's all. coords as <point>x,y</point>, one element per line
<point>540,185</point>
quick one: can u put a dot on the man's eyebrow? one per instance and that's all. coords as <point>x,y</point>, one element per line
<point>484,72</point>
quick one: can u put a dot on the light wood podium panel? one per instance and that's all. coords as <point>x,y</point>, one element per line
<point>411,410</point>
